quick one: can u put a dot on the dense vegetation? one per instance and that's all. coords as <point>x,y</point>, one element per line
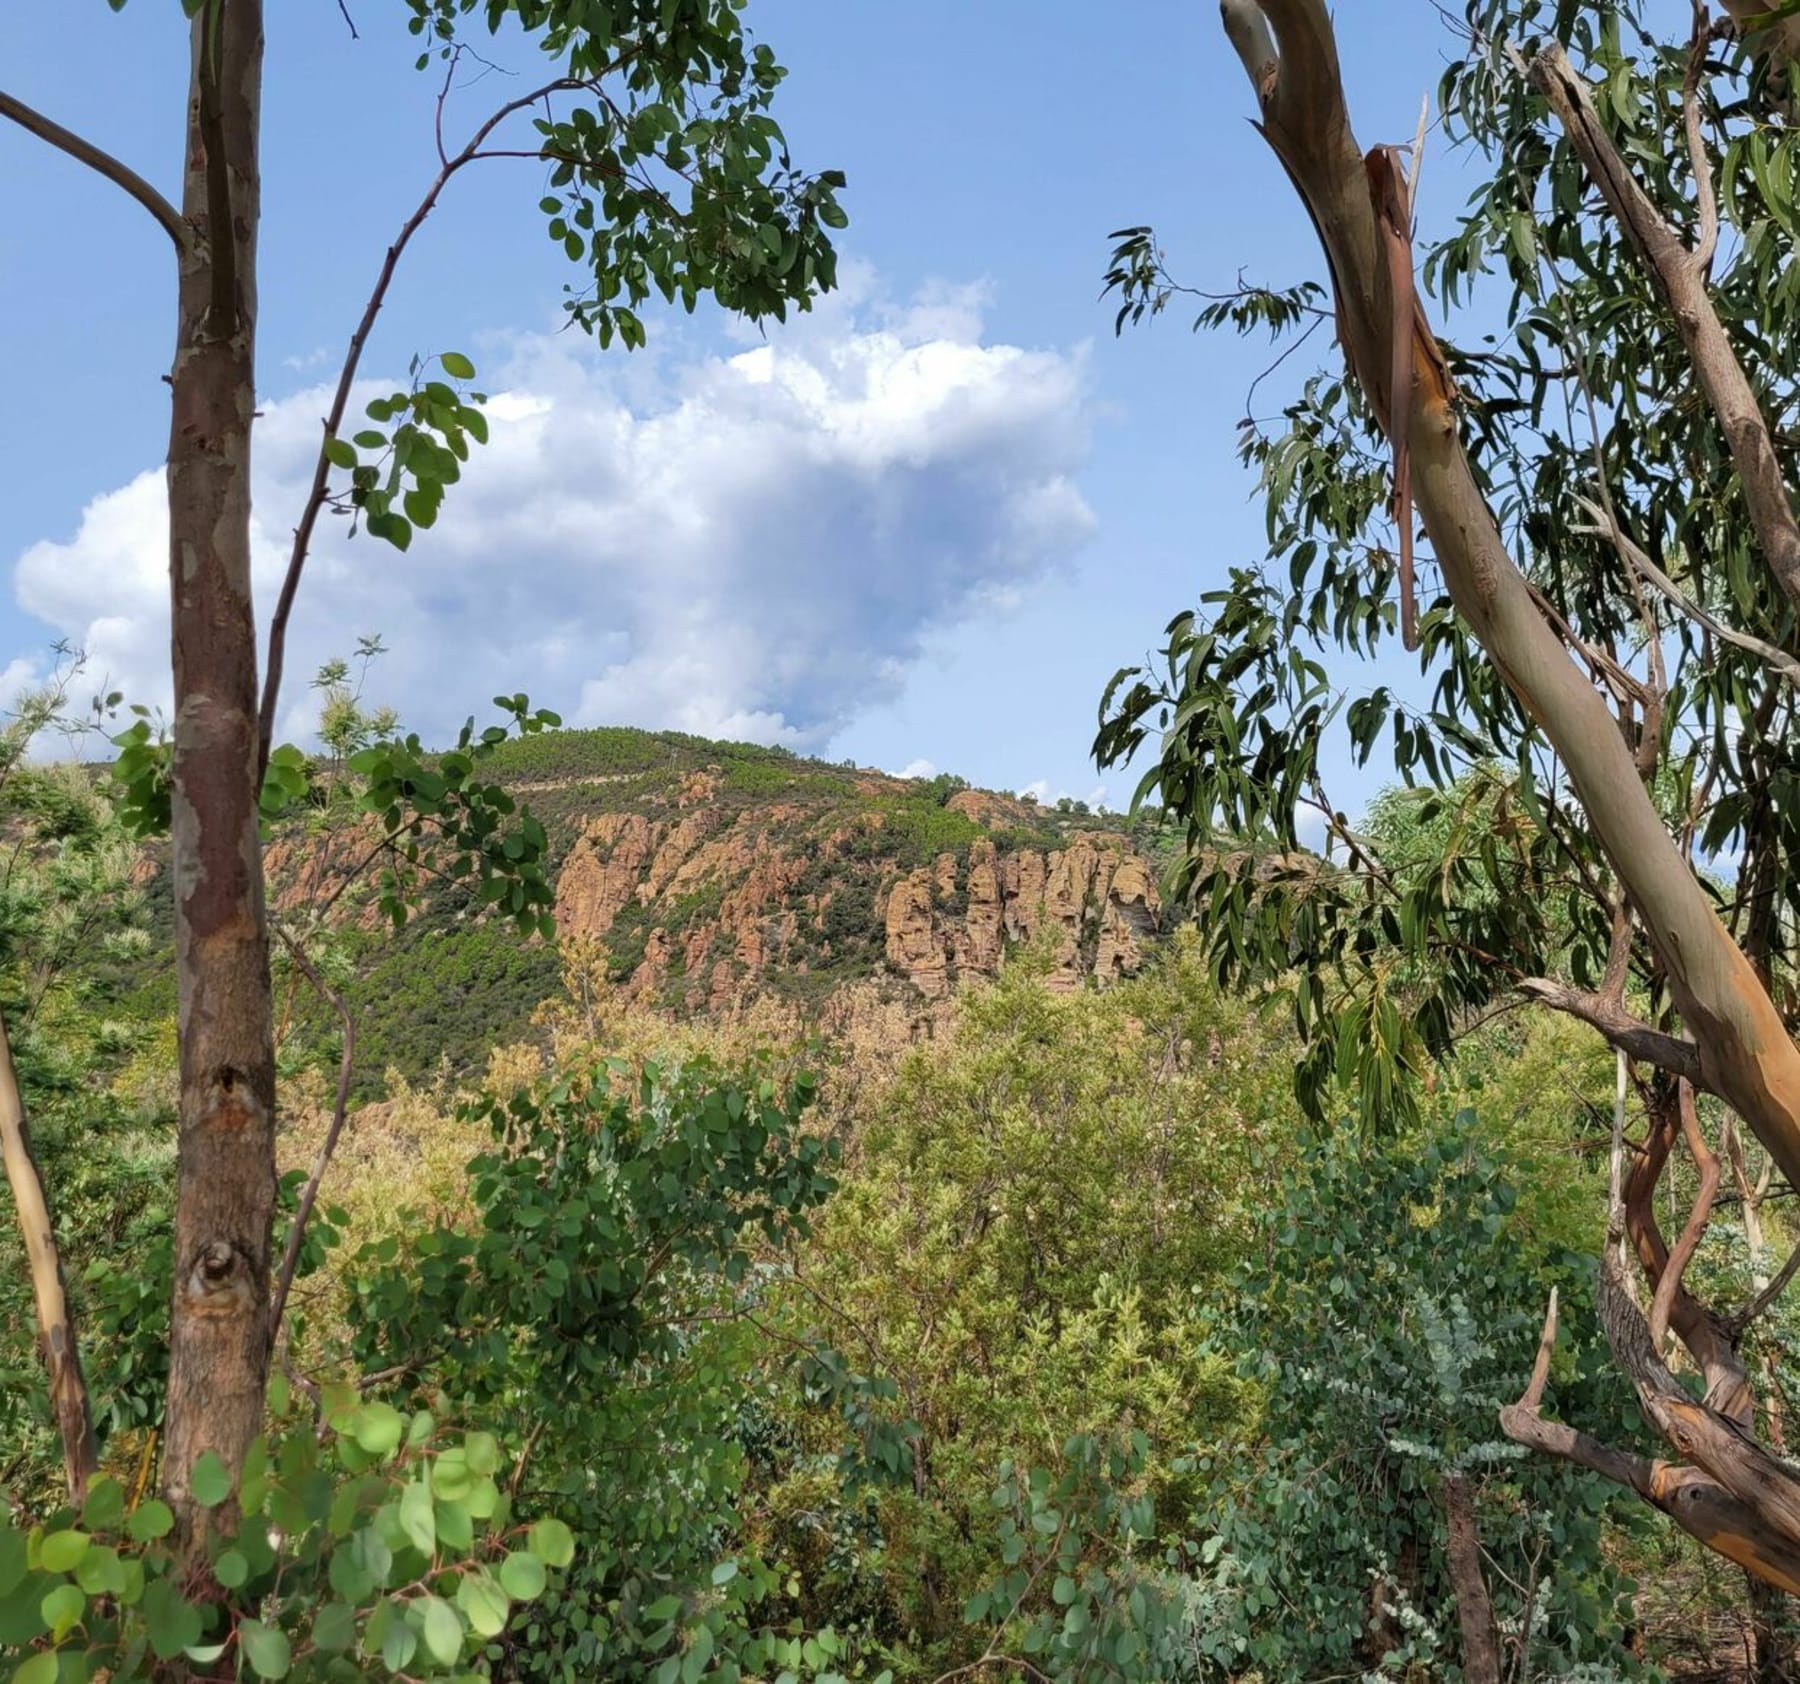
<point>406,1283</point>
<point>1004,1352</point>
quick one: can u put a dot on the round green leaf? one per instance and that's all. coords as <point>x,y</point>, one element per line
<point>417,1519</point>
<point>15,1559</point>
<point>522,1576</point>
<point>483,1602</point>
<point>457,366</point>
<point>399,1643</point>
<point>61,1552</point>
<point>101,1572</point>
<point>482,1451</point>
<point>334,1627</point>
<point>378,1428</point>
<point>150,1520</point>
<point>209,1482</point>
<point>441,1629</point>
<point>172,1622</point>
<point>552,1543</point>
<point>104,1508</point>
<point>39,1669</point>
<point>231,1569</point>
<point>62,1609</point>
<point>265,1648</point>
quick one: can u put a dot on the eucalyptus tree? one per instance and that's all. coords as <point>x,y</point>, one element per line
<point>1607,636</point>
<point>648,136</point>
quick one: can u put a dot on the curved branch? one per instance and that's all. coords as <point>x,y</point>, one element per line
<point>1630,1035</point>
<point>1740,1319</point>
<point>62,1356</point>
<point>1707,1164</point>
<point>1605,526</point>
<point>103,163</point>
<point>1680,277</point>
<point>316,496</point>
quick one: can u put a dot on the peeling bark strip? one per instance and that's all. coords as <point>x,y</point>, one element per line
<point>56,1332</point>
<point>1742,1047</point>
<point>219,1335</point>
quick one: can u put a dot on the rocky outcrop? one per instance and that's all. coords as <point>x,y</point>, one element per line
<point>915,945</point>
<point>599,877</point>
<point>1094,902</point>
<point>703,907</point>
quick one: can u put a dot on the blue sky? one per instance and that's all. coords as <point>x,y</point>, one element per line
<point>923,526</point>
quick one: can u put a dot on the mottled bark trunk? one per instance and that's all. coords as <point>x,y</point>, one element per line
<point>219,1333</point>
<point>1474,1606</point>
<point>56,1332</point>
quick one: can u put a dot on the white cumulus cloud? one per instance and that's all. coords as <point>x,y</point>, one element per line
<point>750,545</point>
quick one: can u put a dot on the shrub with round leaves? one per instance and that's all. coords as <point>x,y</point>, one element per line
<point>364,1543</point>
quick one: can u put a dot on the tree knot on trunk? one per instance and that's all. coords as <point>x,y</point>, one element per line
<point>219,1282</point>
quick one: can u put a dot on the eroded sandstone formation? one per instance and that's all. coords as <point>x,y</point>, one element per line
<point>701,905</point>
<point>1094,902</point>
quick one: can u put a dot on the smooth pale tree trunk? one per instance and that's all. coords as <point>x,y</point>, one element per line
<point>219,1332</point>
<point>1722,1487</point>
<point>56,1331</point>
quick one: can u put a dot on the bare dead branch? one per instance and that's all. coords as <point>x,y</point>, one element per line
<point>1606,526</point>
<point>309,1194</point>
<point>1533,1395</point>
<point>103,163</point>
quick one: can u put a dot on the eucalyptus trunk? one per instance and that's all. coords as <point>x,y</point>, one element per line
<point>219,1325</point>
<point>1720,1485</point>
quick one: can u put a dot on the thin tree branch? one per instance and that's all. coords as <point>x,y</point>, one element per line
<point>1706,202</point>
<point>1681,281</point>
<point>316,496</point>
<point>1606,526</point>
<point>1740,1319</point>
<point>309,1194</point>
<point>104,163</point>
<point>1689,1242</point>
<point>1533,1396</point>
<point>56,1331</point>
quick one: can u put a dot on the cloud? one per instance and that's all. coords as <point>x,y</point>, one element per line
<point>917,769</point>
<point>1039,791</point>
<point>747,545</point>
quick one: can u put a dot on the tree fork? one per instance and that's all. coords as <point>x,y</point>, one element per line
<point>218,1336</point>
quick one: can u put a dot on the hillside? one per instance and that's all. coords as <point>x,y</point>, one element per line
<point>701,876</point>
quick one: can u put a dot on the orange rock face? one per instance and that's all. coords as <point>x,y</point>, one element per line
<point>737,901</point>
